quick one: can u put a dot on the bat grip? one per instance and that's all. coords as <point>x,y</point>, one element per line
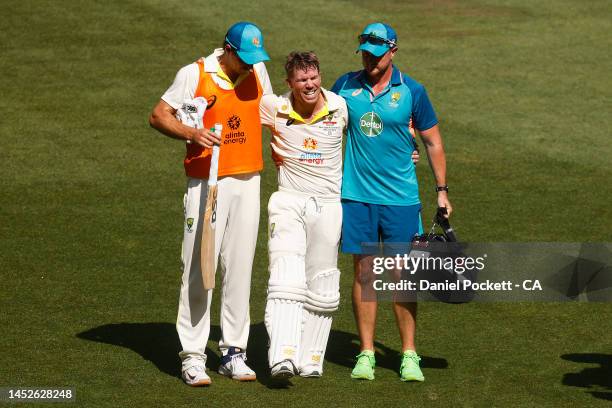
<point>214,160</point>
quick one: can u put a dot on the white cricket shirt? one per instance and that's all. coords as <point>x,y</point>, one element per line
<point>311,152</point>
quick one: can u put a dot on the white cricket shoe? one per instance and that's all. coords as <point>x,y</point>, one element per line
<point>194,373</point>
<point>311,371</point>
<point>233,365</point>
<point>283,370</point>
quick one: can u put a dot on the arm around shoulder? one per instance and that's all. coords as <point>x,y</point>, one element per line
<point>267,109</point>
<point>264,78</point>
<point>337,86</point>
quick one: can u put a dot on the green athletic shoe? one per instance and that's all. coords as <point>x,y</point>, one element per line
<point>364,368</point>
<point>410,370</point>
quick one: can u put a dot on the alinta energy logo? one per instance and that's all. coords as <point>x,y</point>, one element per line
<point>370,124</point>
<point>234,136</point>
<point>233,122</point>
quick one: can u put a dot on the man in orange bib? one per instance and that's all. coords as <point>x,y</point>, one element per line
<point>232,80</point>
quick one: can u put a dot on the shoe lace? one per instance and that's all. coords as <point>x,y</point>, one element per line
<point>412,356</point>
<point>238,360</point>
<point>196,363</point>
<point>363,358</point>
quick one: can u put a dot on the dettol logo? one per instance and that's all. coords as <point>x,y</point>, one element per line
<point>370,124</point>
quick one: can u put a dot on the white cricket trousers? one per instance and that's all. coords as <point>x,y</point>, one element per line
<point>235,238</point>
<point>303,289</point>
<point>307,226</point>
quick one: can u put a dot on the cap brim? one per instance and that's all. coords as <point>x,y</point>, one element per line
<point>254,57</point>
<point>376,50</point>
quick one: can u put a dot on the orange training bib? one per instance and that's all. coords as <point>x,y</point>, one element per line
<point>238,111</point>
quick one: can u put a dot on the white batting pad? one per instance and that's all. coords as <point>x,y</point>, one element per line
<point>323,293</point>
<point>322,298</point>
<point>315,334</point>
<point>283,317</point>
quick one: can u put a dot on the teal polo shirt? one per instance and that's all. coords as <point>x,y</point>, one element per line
<point>378,168</point>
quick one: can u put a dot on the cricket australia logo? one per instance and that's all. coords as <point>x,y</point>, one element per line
<point>370,124</point>
<point>395,96</point>
<point>189,223</point>
<point>272,226</point>
<point>310,143</point>
<point>312,156</point>
<point>233,122</point>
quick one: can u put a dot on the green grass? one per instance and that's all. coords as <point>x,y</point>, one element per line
<point>91,196</point>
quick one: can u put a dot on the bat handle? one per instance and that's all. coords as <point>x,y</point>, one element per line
<point>214,161</point>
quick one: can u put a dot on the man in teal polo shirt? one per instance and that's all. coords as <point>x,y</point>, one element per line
<point>380,196</point>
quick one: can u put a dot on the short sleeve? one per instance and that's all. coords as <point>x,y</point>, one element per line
<point>267,109</point>
<point>184,86</point>
<point>423,114</point>
<point>344,113</point>
<point>264,78</point>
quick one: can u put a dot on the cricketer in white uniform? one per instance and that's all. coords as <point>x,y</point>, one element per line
<point>305,218</point>
<point>232,80</point>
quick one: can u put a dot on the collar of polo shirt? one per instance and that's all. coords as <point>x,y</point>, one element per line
<point>326,110</point>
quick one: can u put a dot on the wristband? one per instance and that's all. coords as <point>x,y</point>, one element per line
<point>442,188</point>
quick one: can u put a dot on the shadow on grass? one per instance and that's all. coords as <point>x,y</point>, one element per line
<point>598,380</point>
<point>155,342</point>
<point>158,343</point>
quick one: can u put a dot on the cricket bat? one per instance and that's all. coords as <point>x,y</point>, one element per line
<point>207,250</point>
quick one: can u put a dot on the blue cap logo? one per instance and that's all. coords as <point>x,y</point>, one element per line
<point>246,39</point>
<point>377,39</point>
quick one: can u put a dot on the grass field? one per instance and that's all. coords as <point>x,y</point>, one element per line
<point>91,214</point>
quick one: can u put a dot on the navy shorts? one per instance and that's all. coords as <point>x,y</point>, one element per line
<point>371,223</point>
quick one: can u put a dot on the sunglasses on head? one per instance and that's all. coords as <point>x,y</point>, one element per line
<point>375,40</point>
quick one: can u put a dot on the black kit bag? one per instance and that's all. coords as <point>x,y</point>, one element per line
<point>444,276</point>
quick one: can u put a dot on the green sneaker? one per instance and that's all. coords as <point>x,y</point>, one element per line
<point>410,370</point>
<point>364,368</point>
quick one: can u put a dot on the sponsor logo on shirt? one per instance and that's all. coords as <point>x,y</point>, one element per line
<point>234,122</point>
<point>330,125</point>
<point>311,158</point>
<point>370,124</point>
<point>330,120</point>
<point>237,136</point>
<point>357,92</point>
